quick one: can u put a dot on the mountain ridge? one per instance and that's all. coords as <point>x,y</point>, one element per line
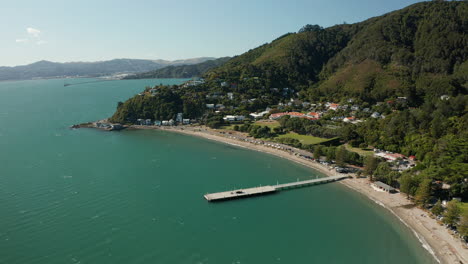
<point>49,69</point>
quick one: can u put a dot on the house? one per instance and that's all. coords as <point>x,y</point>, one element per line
<point>383,186</point>
<point>230,96</point>
<point>376,115</point>
<point>390,156</point>
<point>220,106</point>
<point>224,84</point>
<point>412,158</point>
<point>186,121</point>
<point>296,114</point>
<point>179,117</point>
<point>314,115</point>
<point>140,121</point>
<point>157,122</point>
<point>277,116</point>
<point>148,122</point>
<point>231,118</point>
<point>305,104</point>
<point>210,106</point>
<point>349,119</point>
<point>366,110</point>
<point>355,108</point>
<point>259,115</point>
<point>171,122</point>
<point>165,123</point>
<point>333,106</point>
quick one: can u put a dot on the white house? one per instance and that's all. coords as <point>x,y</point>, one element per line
<point>231,118</point>
<point>259,115</point>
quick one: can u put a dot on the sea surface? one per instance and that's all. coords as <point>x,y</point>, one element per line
<point>90,196</point>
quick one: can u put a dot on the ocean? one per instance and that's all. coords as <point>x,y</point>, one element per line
<point>91,196</point>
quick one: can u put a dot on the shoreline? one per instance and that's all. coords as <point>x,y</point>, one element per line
<point>436,239</point>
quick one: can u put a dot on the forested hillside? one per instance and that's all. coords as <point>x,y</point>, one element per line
<point>409,66</point>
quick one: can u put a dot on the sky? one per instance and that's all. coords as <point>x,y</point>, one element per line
<point>94,30</point>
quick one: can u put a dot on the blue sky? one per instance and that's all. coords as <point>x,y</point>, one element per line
<point>91,30</point>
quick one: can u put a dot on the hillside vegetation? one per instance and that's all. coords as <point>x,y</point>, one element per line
<point>409,65</point>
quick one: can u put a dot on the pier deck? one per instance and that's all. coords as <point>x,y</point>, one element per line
<point>241,193</point>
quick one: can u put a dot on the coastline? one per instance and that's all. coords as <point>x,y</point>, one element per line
<point>436,239</point>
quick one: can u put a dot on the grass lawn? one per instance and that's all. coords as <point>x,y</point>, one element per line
<point>464,207</point>
<point>269,123</point>
<point>304,139</point>
<point>362,152</point>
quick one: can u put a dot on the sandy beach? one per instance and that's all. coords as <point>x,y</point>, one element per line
<point>438,240</point>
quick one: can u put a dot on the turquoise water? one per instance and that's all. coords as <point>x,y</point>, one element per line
<point>89,196</point>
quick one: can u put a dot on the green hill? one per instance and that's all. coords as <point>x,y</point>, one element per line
<point>181,71</point>
<point>417,53</point>
<point>402,53</point>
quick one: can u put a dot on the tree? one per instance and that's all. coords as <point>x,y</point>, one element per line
<point>370,164</point>
<point>407,184</point>
<point>382,171</point>
<point>317,152</point>
<point>452,214</point>
<point>341,156</point>
<point>309,28</point>
<point>423,194</point>
<point>437,209</point>
<point>463,226</point>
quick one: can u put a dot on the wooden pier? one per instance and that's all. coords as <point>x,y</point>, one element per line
<point>242,193</point>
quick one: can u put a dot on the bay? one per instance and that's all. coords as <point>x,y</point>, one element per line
<point>89,196</point>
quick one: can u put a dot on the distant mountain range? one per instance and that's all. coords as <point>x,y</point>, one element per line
<point>48,69</point>
<point>181,71</point>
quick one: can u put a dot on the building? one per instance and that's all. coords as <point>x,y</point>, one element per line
<point>157,122</point>
<point>148,122</point>
<point>390,156</point>
<point>259,115</point>
<point>210,106</point>
<point>179,117</point>
<point>296,114</point>
<point>232,118</point>
<point>349,119</point>
<point>186,121</point>
<point>444,97</point>
<point>384,187</point>
<point>376,115</point>
<point>333,106</point>
<point>277,116</point>
<point>230,96</point>
<point>314,115</point>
